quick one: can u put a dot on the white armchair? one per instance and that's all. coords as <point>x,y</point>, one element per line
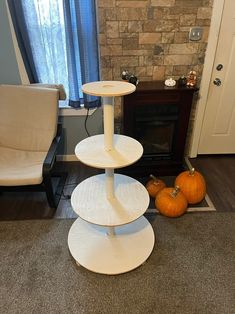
<point>29,137</point>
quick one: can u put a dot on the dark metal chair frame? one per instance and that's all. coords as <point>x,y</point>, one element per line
<point>53,195</point>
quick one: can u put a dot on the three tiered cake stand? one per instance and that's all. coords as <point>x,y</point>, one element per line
<point>110,236</point>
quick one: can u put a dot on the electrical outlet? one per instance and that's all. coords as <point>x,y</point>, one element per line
<point>195,33</point>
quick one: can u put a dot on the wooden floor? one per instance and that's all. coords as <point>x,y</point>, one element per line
<point>219,172</point>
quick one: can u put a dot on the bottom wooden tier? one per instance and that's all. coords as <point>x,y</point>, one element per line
<point>92,247</point>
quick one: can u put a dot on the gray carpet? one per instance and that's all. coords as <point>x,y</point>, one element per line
<point>191,270</point>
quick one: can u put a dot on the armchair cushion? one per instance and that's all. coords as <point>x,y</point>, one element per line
<point>18,167</point>
<point>28,117</point>
<point>59,87</point>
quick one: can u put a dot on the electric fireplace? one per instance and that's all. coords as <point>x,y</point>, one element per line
<point>158,116</point>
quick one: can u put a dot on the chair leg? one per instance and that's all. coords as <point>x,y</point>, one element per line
<point>49,192</point>
<point>53,196</point>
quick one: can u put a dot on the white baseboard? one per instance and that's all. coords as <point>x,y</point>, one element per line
<point>67,158</point>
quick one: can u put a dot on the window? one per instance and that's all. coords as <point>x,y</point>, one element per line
<point>58,41</point>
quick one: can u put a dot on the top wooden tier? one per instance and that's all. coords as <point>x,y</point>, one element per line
<point>108,88</point>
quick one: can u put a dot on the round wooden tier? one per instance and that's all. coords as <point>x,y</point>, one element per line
<point>91,152</point>
<point>89,200</point>
<point>93,249</point>
<point>108,88</point>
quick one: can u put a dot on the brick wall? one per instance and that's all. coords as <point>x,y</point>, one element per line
<point>150,38</point>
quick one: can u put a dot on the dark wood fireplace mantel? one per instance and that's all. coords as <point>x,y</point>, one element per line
<point>158,117</point>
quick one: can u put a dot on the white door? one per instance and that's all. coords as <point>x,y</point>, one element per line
<point>218,128</point>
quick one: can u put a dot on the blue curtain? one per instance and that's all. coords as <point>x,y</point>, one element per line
<point>58,42</point>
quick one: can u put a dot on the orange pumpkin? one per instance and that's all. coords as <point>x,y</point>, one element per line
<point>171,202</point>
<point>192,184</point>
<point>154,185</point>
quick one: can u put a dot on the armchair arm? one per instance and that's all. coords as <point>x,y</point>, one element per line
<point>51,154</point>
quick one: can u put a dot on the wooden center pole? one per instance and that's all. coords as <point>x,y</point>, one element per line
<point>108,105</point>
<point>108,122</point>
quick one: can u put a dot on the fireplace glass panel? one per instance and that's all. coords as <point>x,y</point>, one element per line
<point>154,128</point>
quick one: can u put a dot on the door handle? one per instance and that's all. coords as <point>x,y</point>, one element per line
<point>217,81</point>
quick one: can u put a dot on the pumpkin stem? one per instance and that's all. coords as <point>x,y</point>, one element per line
<point>153,177</point>
<point>191,172</point>
<point>175,191</point>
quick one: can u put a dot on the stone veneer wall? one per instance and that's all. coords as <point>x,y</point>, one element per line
<point>150,38</point>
